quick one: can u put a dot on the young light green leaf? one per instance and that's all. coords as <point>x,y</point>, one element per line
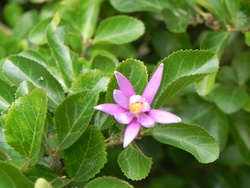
<point>119,30</point>
<point>182,68</point>
<point>110,182</point>
<point>84,159</point>
<point>7,95</point>
<point>12,177</point>
<point>138,5</point>
<point>73,115</point>
<point>42,183</point>
<point>229,98</point>
<point>190,138</point>
<point>135,71</point>
<point>17,69</point>
<point>24,124</point>
<point>241,133</point>
<point>66,60</point>
<point>134,164</point>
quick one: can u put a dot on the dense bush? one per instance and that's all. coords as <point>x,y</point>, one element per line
<point>63,61</point>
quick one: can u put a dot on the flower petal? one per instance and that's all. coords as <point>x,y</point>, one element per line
<point>161,116</point>
<point>131,132</point>
<point>110,109</point>
<point>146,121</point>
<point>124,117</point>
<point>124,84</point>
<point>153,84</point>
<point>121,99</point>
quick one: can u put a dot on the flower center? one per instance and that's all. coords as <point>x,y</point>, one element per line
<point>138,105</point>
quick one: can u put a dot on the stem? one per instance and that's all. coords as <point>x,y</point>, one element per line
<point>86,43</point>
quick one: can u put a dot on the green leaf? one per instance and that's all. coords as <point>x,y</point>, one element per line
<point>12,177</point>
<point>95,80</point>
<point>247,38</point>
<point>104,63</point>
<point>215,41</point>
<point>37,34</point>
<point>110,182</point>
<point>210,118</point>
<point>44,172</point>
<point>241,65</point>
<point>134,164</point>
<point>17,69</point>
<point>84,159</point>
<point>241,133</point>
<point>138,5</point>
<point>25,23</point>
<point>73,115</point>
<point>232,7</point>
<point>176,19</point>
<point>9,154</point>
<point>88,17</point>
<point>229,98</point>
<point>119,30</point>
<point>24,88</point>
<point>24,124</point>
<point>135,71</point>
<point>12,13</point>
<point>190,138</point>
<point>182,68</point>
<point>66,60</point>
<point>7,95</point>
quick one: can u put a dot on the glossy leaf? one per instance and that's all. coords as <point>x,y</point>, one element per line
<point>37,34</point>
<point>84,159</point>
<point>17,69</point>
<point>134,164</point>
<point>66,60</point>
<point>7,95</point>
<point>182,68</point>
<point>12,177</point>
<point>138,5</point>
<point>95,80</point>
<point>190,138</point>
<point>241,133</point>
<point>73,116</point>
<point>110,182</point>
<point>136,73</point>
<point>229,98</point>
<point>24,124</point>
<point>88,18</point>
<point>119,30</point>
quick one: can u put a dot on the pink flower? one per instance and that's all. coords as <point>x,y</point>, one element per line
<point>135,110</point>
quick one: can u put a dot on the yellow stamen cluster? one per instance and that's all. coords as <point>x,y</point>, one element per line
<point>135,107</point>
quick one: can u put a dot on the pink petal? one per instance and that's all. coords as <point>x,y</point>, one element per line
<point>121,99</point>
<point>124,117</point>
<point>153,84</point>
<point>124,84</point>
<point>146,121</point>
<point>131,132</point>
<point>161,116</point>
<point>110,109</point>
